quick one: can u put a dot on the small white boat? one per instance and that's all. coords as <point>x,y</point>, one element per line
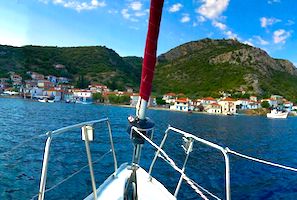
<point>276,114</point>
<point>51,101</point>
<point>42,100</point>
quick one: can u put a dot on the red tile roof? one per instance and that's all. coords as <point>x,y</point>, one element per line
<point>209,99</point>
<point>228,99</point>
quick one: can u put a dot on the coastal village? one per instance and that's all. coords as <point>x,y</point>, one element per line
<point>58,89</point>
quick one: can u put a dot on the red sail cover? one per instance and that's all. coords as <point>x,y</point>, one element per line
<point>149,61</point>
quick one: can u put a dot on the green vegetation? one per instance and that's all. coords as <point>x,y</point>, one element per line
<point>265,104</point>
<point>160,101</point>
<point>114,99</point>
<point>97,97</point>
<point>98,64</point>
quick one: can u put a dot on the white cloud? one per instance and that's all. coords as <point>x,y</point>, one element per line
<point>280,36</point>
<point>186,18</point>
<point>125,13</point>
<point>175,7</point>
<point>219,25</point>
<point>268,21</point>
<point>231,35</point>
<point>77,5</point>
<point>290,22</point>
<point>261,41</point>
<point>212,9</point>
<point>273,1</point>
<point>139,14</point>
<point>135,5</point>
<point>248,42</point>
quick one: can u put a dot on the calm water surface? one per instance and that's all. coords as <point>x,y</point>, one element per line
<point>273,140</point>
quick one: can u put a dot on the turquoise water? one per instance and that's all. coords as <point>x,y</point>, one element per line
<point>273,140</point>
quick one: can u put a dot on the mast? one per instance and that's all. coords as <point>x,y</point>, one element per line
<point>149,61</point>
<point>141,122</point>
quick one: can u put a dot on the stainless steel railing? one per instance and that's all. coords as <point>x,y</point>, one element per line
<point>191,138</point>
<point>50,136</point>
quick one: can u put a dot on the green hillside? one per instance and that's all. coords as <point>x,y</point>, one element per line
<point>95,63</point>
<point>208,67</point>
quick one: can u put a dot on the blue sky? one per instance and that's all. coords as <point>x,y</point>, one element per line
<point>122,24</point>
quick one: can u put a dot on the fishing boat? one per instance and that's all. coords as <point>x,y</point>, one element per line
<point>130,181</point>
<point>276,114</point>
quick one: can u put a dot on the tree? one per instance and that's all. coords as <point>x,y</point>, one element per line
<point>160,101</point>
<point>265,104</point>
<point>98,97</point>
<point>82,82</point>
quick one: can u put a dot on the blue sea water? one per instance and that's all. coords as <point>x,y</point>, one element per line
<point>273,140</point>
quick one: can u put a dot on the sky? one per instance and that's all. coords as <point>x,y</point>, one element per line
<point>122,24</point>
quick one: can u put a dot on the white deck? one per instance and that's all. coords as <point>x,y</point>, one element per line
<point>113,187</point>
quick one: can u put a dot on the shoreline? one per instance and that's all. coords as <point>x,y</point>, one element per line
<point>257,112</point>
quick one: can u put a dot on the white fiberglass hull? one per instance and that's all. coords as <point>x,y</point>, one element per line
<point>113,187</point>
<point>277,115</point>
<point>42,100</point>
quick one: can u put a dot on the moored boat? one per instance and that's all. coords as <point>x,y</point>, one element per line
<point>276,114</point>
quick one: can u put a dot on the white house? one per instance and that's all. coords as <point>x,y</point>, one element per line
<point>242,104</point>
<point>214,108</point>
<point>254,105</point>
<point>82,94</point>
<point>182,104</point>
<point>228,105</point>
<point>288,106</point>
<point>207,101</point>
<point>169,98</point>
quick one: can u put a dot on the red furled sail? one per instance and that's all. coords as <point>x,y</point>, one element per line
<point>149,61</point>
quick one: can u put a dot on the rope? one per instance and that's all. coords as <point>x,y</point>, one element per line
<point>73,174</point>
<point>21,144</point>
<point>192,183</point>
<point>260,160</point>
<point>172,163</point>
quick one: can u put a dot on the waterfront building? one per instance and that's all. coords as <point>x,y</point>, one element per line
<point>135,97</point>
<point>288,106</point>
<point>242,104</point>
<point>53,94</point>
<point>214,108</point>
<point>208,100</point>
<point>228,105</point>
<point>182,104</point>
<point>169,98</point>
<point>98,88</point>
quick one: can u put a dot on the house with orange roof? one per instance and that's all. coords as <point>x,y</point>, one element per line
<point>214,108</point>
<point>169,97</point>
<point>182,104</point>
<point>207,101</point>
<point>228,106</point>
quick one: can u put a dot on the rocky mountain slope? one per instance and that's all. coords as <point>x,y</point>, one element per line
<point>208,67</point>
